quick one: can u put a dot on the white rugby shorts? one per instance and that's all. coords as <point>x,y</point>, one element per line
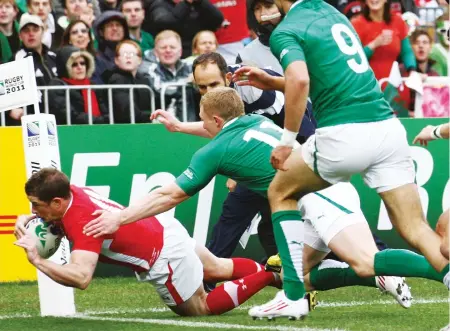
<point>379,151</point>
<point>328,212</point>
<point>178,271</point>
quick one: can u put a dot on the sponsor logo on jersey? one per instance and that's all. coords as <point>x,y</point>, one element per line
<point>188,174</point>
<point>283,53</point>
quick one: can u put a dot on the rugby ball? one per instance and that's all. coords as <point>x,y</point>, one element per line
<point>48,236</point>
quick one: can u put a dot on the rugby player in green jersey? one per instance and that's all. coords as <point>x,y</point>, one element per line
<point>357,132</point>
<point>240,150</point>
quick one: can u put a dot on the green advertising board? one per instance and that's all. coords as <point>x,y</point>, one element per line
<point>125,162</point>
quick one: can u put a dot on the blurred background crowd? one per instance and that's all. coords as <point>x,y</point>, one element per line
<point>154,43</point>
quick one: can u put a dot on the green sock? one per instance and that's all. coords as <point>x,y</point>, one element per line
<point>404,263</point>
<point>330,274</point>
<point>288,230</point>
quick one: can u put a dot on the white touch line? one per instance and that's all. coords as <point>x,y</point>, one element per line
<point>245,307</point>
<point>201,324</point>
<point>5,317</point>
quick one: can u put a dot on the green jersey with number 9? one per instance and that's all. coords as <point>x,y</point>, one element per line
<point>343,88</point>
<point>240,151</point>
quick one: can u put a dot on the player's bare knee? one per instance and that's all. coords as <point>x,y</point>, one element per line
<point>363,266</point>
<point>218,269</point>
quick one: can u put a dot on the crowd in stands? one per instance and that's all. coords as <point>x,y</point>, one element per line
<point>153,42</point>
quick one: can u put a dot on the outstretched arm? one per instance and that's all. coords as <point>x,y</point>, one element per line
<point>172,124</point>
<point>78,273</point>
<point>156,202</point>
<point>430,133</point>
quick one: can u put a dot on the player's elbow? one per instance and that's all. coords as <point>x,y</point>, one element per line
<point>301,82</point>
<point>84,284</point>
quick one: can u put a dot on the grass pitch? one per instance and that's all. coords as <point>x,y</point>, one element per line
<point>126,305</point>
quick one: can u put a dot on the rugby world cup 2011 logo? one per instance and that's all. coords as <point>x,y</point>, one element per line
<point>33,132</point>
<point>51,131</point>
<point>2,88</point>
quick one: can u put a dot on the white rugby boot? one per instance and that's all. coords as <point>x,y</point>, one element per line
<point>281,306</point>
<point>396,287</point>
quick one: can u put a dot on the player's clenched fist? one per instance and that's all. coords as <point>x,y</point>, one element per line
<point>279,156</point>
<point>106,223</point>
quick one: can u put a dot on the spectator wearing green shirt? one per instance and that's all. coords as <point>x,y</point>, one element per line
<point>134,12</point>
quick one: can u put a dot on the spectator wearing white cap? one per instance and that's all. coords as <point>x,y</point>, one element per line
<point>52,32</point>
<point>31,29</point>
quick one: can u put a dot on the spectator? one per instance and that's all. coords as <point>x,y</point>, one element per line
<point>170,68</point>
<point>421,44</point>
<point>234,30</point>
<point>74,9</point>
<point>110,29</point>
<point>88,16</point>
<point>76,67</point>
<point>204,42</point>
<point>9,30</point>
<point>106,5</point>
<point>186,17</point>
<point>440,50</point>
<point>128,57</point>
<point>52,32</point>
<point>79,35</point>
<point>31,29</point>
<point>384,36</point>
<point>134,12</point>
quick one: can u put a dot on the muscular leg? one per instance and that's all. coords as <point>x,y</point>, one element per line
<point>249,278</point>
<point>443,231</point>
<point>311,258</point>
<point>289,186</point>
<point>405,211</point>
<point>284,191</point>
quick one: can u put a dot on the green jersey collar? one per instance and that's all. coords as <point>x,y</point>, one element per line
<point>230,122</point>
<point>295,4</point>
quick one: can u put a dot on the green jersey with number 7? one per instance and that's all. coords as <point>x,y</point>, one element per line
<point>343,88</point>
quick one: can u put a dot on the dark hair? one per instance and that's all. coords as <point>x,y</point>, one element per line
<point>29,3</point>
<point>126,1</point>
<point>387,17</point>
<point>417,33</point>
<point>47,184</point>
<point>211,58</point>
<point>66,36</point>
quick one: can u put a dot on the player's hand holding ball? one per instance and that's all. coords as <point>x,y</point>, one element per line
<point>40,240</point>
<point>21,222</point>
<point>28,242</point>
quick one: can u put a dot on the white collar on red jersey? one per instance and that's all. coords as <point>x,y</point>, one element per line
<point>70,205</point>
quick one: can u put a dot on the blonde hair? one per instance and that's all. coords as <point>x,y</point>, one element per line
<point>224,102</point>
<point>166,34</point>
<point>128,42</point>
<point>197,37</point>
